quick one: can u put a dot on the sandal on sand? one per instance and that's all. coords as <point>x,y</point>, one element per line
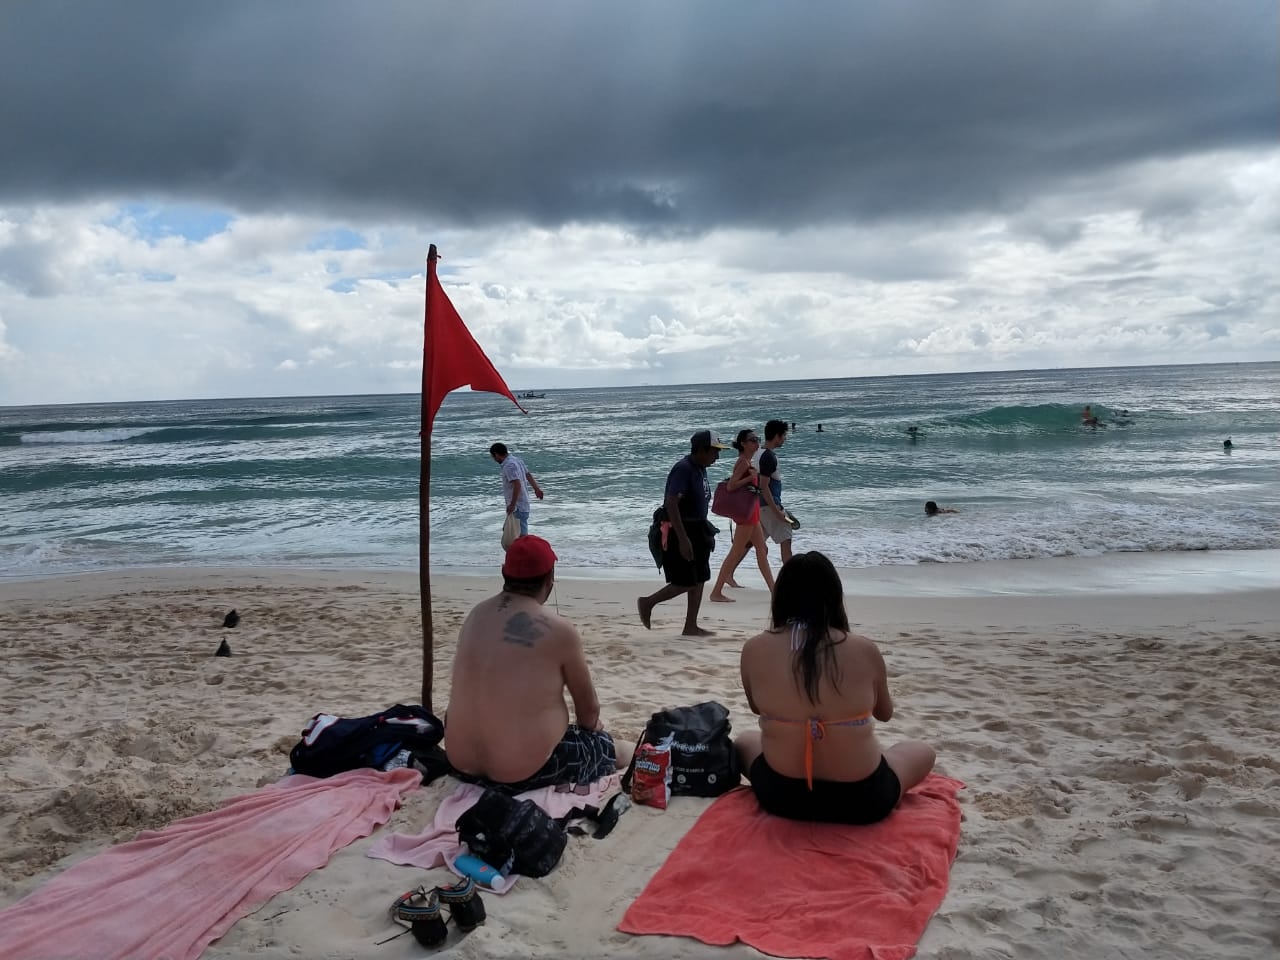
<point>420,909</point>
<point>466,909</point>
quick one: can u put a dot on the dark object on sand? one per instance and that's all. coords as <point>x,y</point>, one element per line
<point>604,819</point>
<point>466,909</point>
<point>433,763</point>
<point>224,649</point>
<point>618,804</point>
<point>231,619</point>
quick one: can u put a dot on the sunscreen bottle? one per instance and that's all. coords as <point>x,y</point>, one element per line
<point>472,866</point>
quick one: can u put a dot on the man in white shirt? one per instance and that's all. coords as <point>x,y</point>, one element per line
<point>514,477</point>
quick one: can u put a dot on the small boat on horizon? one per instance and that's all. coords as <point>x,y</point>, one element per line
<point>530,395</point>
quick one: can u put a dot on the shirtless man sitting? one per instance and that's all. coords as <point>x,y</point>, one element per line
<point>507,725</point>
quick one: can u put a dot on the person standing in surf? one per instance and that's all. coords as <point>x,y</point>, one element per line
<point>515,476</point>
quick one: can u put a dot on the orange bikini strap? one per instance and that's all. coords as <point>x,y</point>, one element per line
<point>817,730</point>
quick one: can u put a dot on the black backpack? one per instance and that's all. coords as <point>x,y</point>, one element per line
<point>332,744</point>
<point>703,761</point>
<point>512,836</point>
<point>655,535</point>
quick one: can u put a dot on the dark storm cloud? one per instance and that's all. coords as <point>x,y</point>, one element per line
<point>668,114</point>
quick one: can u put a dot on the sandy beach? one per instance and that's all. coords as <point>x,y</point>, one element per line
<point>1119,750</point>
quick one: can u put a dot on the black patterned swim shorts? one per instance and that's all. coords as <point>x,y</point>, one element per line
<point>581,757</point>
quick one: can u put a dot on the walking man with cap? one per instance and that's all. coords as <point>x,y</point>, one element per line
<point>514,477</point>
<point>507,725</point>
<point>687,543</point>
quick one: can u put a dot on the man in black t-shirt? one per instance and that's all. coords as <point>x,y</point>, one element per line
<point>774,521</point>
<point>687,541</point>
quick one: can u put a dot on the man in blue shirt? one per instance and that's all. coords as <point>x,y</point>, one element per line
<point>687,539</point>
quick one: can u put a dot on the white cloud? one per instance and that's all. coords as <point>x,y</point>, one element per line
<point>1161,262</point>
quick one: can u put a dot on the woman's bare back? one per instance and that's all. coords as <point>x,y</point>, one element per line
<point>850,697</point>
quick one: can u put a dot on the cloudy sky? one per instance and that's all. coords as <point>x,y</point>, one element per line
<point>235,198</point>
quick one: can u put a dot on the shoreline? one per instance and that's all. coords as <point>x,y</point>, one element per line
<point>1113,574</point>
<point>876,602</point>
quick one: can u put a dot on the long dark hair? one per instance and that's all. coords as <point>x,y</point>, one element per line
<point>808,596</point>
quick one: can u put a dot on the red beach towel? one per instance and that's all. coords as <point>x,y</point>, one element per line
<point>794,889</point>
<point>170,893</point>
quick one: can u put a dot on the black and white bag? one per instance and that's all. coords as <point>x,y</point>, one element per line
<point>332,744</point>
<point>703,760</point>
<point>512,836</point>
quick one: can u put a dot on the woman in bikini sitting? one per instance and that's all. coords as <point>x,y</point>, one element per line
<point>818,688</point>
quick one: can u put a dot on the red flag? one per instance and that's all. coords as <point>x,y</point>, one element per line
<point>451,358</point>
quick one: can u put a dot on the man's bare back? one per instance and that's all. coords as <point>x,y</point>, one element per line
<point>507,721</point>
<point>507,709</point>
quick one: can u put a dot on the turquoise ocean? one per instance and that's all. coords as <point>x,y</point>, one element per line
<point>333,481</point>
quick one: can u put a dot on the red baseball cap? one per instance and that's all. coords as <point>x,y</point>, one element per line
<point>528,558</point>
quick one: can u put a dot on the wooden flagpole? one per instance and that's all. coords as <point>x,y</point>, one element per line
<point>424,516</point>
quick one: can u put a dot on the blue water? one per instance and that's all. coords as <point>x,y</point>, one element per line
<point>333,481</point>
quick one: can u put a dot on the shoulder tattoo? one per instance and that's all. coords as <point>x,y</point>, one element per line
<point>524,630</point>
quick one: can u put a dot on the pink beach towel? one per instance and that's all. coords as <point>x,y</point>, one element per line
<point>795,889</point>
<point>438,844</point>
<point>169,893</point>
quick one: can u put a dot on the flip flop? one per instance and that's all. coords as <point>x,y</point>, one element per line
<point>618,804</point>
<point>605,820</point>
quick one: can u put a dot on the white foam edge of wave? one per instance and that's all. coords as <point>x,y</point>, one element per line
<point>1173,573</point>
<point>91,436</point>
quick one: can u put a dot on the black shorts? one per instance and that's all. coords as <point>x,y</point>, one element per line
<point>581,757</point>
<point>831,801</point>
<point>688,573</point>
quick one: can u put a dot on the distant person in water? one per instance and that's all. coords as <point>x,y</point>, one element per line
<point>931,509</point>
<point>914,432</point>
<point>1087,417</point>
<point>819,428</point>
<point>1226,444</point>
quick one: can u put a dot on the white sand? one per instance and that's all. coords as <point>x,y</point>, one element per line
<point>1120,750</point>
